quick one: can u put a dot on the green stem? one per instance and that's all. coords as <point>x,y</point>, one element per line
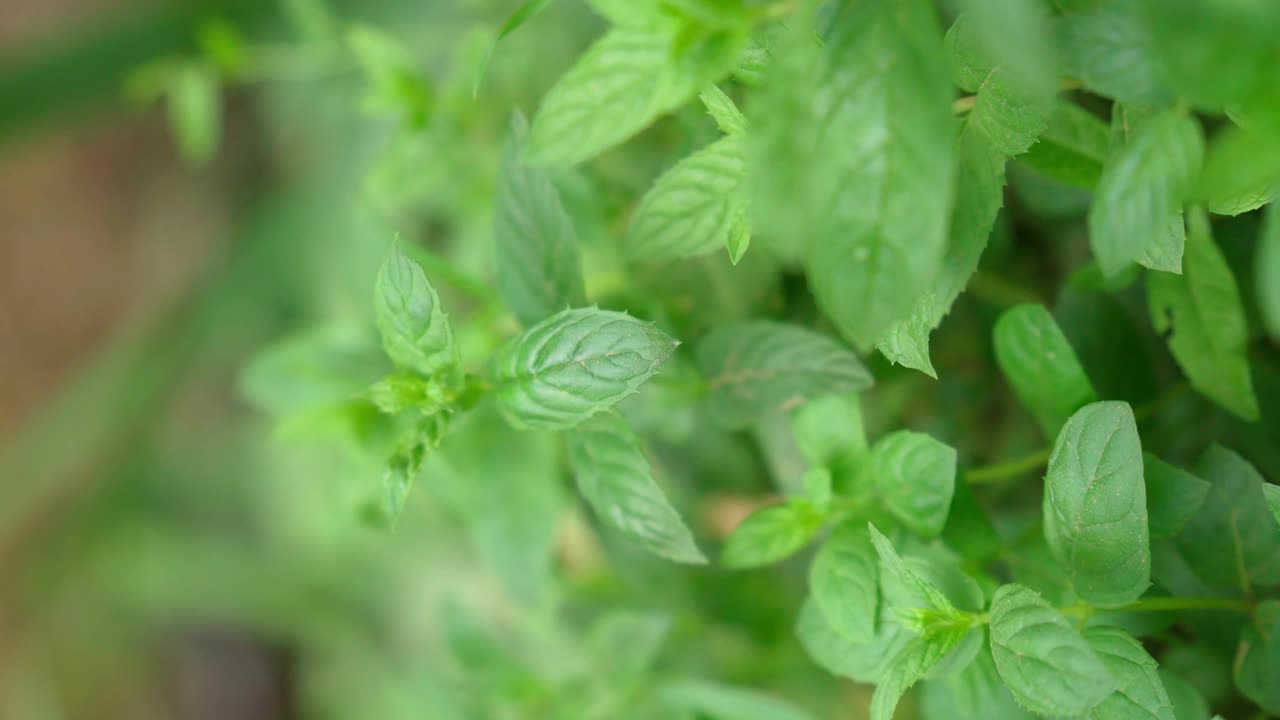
<point>1164,604</point>
<point>1007,470</point>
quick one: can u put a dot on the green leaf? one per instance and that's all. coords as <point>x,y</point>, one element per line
<point>695,207</point>
<point>726,114</point>
<point>829,431</point>
<point>536,251</point>
<point>1258,659</point>
<point>1202,306</point>
<point>915,476</point>
<point>614,478</point>
<point>415,331</point>
<point>1233,542</point>
<point>975,693</point>
<point>396,86</point>
<point>1004,122</point>
<point>575,364</point>
<point>1272,495</point>
<point>1143,186</point>
<point>844,582</point>
<point>1213,52</point>
<point>771,534</point>
<point>528,10</point>
<point>1188,703</point>
<point>865,662</point>
<point>1039,363</point>
<point>715,701</point>
<point>403,468</point>
<point>1173,496</point>
<point>761,367</point>
<point>854,141</point>
<point>1072,148</point>
<point>401,392</point>
<point>902,587</point>
<point>909,667</point>
<point>1241,171</point>
<point>641,633</point>
<point>1109,48</point>
<point>1139,693</point>
<point>1095,505</point>
<point>310,371</point>
<point>624,81</point>
<point>1044,661</point>
<point>1267,271</point>
<point>970,61</point>
<point>195,112</point>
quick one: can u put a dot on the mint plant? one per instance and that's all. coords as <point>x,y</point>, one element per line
<point>752,247</point>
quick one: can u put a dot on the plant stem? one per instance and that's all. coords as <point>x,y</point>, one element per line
<point>1007,470</point>
<point>1164,604</point>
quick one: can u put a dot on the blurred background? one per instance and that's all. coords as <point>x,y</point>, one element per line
<point>194,201</point>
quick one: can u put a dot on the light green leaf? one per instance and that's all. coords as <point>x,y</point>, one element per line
<point>771,534</point>
<point>1041,366</point>
<point>854,140</point>
<point>641,633</point>
<point>1015,34</point>
<point>844,582</point>
<point>1241,171</point>
<point>915,476</point>
<point>726,702</point>
<point>761,367</point>
<point>573,365</point>
<point>539,271</point>
<point>1109,48</point>
<point>1233,543</point>
<point>1095,505</point>
<point>1004,122</point>
<point>624,81</point>
<point>310,371</point>
<point>195,112</point>
<point>528,10</point>
<point>614,478</point>
<point>1188,703</point>
<point>695,207</point>
<point>415,331</point>
<point>1213,52</point>
<point>1143,185</point>
<point>1267,271</point>
<point>865,662</point>
<point>975,693</point>
<point>721,107</point>
<point>1272,495</point>
<point>1072,148</point>
<point>400,392</point>
<point>1044,661</point>
<point>829,431</point>
<point>902,587</point>
<point>909,667</point>
<point>1173,496</point>
<point>1203,309</point>
<point>1258,659</point>
<point>1139,693</point>
<point>403,467</point>
<point>970,62</point>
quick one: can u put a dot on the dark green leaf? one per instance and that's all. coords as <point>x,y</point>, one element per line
<point>1267,271</point>
<point>1173,496</point>
<point>1233,543</point>
<point>1258,660</point>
